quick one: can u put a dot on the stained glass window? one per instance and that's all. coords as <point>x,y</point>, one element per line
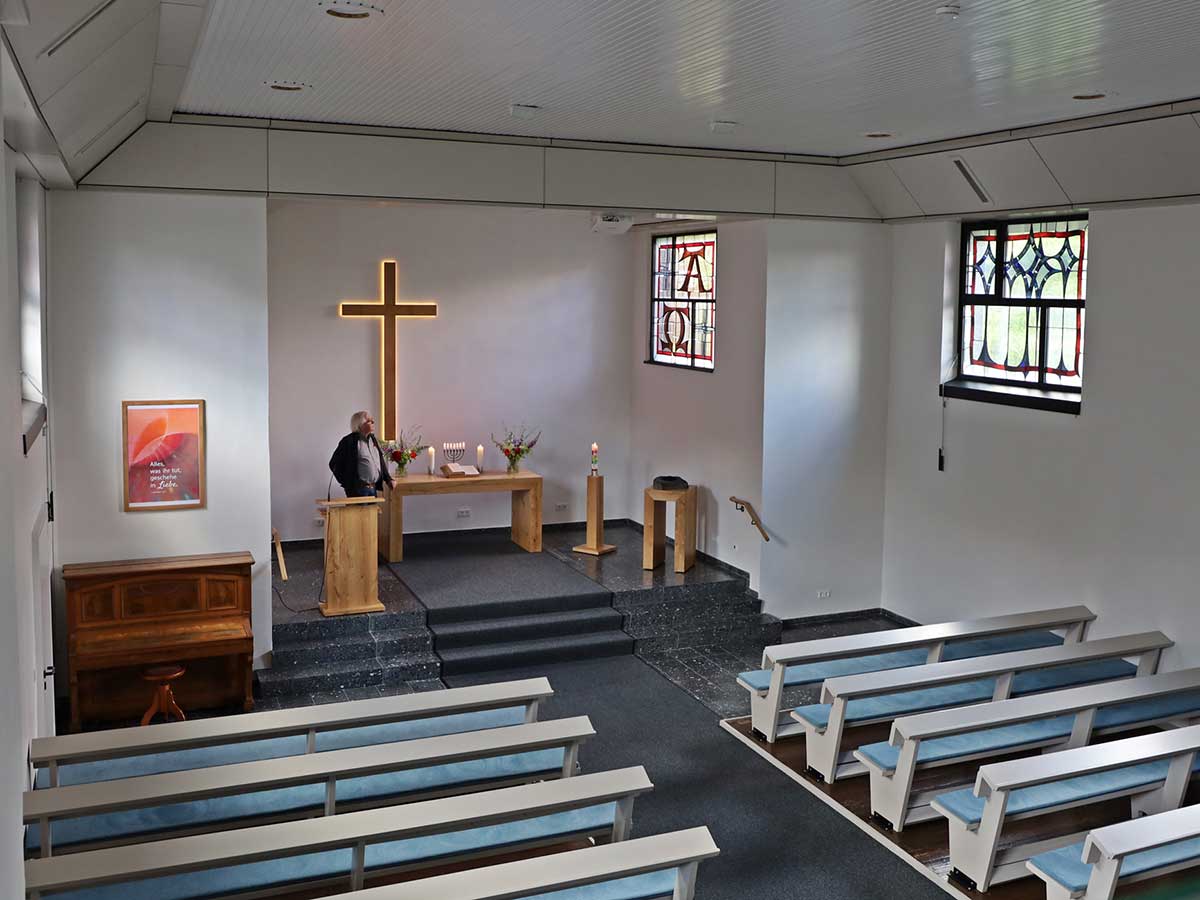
<point>683,300</point>
<point>1026,325</point>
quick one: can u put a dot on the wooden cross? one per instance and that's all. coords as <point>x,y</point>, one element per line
<point>387,311</point>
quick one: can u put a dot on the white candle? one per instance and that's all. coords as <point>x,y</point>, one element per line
<point>479,457</point>
<point>430,459</point>
<point>595,458</point>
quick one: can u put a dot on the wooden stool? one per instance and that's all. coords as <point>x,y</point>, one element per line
<point>654,532</point>
<point>164,697</point>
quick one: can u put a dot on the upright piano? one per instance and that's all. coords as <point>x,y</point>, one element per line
<point>123,616</point>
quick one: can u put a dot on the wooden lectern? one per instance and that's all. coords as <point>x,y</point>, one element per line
<point>351,555</point>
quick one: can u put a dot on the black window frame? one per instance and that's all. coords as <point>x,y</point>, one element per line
<point>1034,395</point>
<point>652,331</point>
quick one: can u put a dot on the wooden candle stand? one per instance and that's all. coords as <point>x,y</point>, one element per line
<point>595,545</point>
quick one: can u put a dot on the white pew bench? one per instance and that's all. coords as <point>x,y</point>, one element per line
<point>341,850</point>
<point>1154,770</point>
<point>1122,854</point>
<point>174,746</point>
<point>1066,718</point>
<point>881,697</point>
<point>811,662</point>
<point>663,865</point>
<point>217,797</point>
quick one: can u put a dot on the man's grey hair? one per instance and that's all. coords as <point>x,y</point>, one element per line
<point>358,418</point>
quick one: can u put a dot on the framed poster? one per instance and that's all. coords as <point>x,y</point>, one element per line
<point>163,454</point>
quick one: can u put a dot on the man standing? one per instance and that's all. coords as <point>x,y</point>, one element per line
<point>358,463</point>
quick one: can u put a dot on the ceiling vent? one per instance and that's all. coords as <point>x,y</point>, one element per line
<point>969,176</point>
<point>349,9</point>
<point>59,42</point>
<point>111,125</point>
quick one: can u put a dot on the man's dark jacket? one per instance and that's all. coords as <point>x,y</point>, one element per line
<point>344,465</point>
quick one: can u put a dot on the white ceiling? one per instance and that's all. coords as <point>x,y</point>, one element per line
<point>800,76</point>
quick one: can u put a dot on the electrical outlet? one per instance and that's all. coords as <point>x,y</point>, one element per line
<point>319,521</point>
<point>464,513</point>
<point>560,507</point>
<point>824,595</point>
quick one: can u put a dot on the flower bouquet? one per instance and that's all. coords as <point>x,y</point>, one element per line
<point>516,446</point>
<point>407,447</point>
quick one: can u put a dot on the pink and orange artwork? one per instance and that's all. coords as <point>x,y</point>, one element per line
<point>163,447</point>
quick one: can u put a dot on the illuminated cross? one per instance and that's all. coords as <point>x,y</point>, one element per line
<point>387,311</point>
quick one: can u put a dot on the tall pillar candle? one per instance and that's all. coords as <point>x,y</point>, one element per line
<point>595,458</point>
<point>479,457</point>
<point>431,452</point>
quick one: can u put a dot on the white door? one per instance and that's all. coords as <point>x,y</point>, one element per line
<point>43,567</point>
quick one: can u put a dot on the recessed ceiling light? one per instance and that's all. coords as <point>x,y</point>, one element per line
<point>349,9</point>
<point>719,126</point>
<point>523,110</point>
<point>878,135</point>
<point>1091,95</point>
<point>288,85</point>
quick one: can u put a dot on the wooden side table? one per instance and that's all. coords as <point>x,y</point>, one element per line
<point>654,534</point>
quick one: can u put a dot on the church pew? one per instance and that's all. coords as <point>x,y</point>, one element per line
<point>1122,854</point>
<point>128,809</point>
<point>812,662</point>
<point>339,851</point>
<point>1066,718</point>
<point>1154,770</point>
<point>881,697</point>
<point>659,866</point>
<point>169,747</point>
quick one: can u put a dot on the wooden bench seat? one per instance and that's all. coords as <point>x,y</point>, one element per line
<point>1154,770</point>
<point>344,849</point>
<point>659,866</point>
<point>109,812</point>
<point>177,746</point>
<point>1121,854</point>
<point>811,662</point>
<point>1068,718</point>
<point>882,697</point>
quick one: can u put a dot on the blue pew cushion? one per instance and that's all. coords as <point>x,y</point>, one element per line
<point>891,706</point>
<point>130,823</point>
<point>637,887</point>
<point>1066,866</point>
<point>968,808</point>
<point>334,863</point>
<point>815,673</point>
<point>274,748</point>
<point>1006,737</point>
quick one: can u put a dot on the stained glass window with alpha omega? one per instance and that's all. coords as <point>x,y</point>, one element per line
<point>1023,290</point>
<point>683,300</point>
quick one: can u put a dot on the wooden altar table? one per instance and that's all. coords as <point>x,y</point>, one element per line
<point>525,487</point>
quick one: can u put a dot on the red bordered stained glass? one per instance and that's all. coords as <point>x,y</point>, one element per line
<point>1027,325</point>
<point>683,312</point>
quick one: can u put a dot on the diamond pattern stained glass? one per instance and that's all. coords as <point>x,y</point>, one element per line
<point>683,304</point>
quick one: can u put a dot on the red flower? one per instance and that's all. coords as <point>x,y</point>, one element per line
<point>507,452</point>
<point>412,454</point>
<point>397,456</point>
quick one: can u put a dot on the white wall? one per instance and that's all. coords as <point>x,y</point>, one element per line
<point>1039,508</point>
<point>704,426</point>
<point>825,412</point>
<point>532,327</point>
<point>160,296</point>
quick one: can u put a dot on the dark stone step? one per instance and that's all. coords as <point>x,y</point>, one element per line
<point>761,629</point>
<point>382,644</point>
<point>344,626</point>
<point>453,635</point>
<point>356,673</point>
<point>527,606</point>
<point>563,648</point>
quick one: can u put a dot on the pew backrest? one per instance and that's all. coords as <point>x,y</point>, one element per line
<point>924,635</point>
<point>682,850</point>
<point>43,806</point>
<point>1115,842</point>
<point>62,750</point>
<point>941,723</point>
<point>196,853</point>
<point>997,666</point>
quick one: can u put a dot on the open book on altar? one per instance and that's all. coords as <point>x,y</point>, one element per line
<point>454,470</point>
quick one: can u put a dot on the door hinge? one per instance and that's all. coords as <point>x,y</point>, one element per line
<point>50,508</point>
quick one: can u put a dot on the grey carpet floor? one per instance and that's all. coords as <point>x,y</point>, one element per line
<point>485,568</point>
<point>777,842</point>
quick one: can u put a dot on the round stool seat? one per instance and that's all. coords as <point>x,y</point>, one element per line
<point>164,698</point>
<point>162,673</point>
